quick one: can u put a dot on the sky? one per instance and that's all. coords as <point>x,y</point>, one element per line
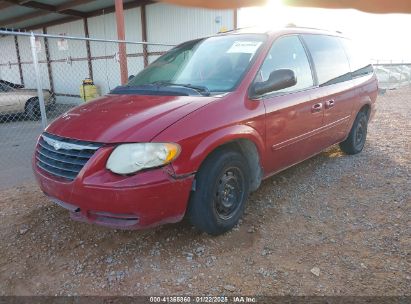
<point>384,37</point>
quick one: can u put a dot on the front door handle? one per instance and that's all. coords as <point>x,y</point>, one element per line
<point>329,103</point>
<point>316,108</point>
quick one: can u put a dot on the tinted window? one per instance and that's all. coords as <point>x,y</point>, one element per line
<point>6,86</point>
<point>359,62</point>
<point>329,57</point>
<point>288,53</point>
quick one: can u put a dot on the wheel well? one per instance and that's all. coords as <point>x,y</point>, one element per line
<point>366,109</point>
<point>28,101</point>
<point>249,151</point>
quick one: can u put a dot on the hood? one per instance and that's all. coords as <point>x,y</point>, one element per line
<point>125,118</point>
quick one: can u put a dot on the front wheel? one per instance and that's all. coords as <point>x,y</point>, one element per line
<point>222,188</point>
<point>33,109</point>
<point>356,139</point>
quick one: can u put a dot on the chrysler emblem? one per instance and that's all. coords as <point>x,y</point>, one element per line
<point>56,145</point>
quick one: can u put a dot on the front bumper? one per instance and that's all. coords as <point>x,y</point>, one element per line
<point>143,200</point>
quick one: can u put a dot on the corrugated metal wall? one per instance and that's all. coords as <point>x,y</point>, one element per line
<point>165,24</point>
<point>8,55</point>
<point>26,59</point>
<point>176,24</point>
<point>66,72</point>
<point>106,71</point>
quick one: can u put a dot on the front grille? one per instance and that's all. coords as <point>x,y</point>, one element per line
<point>63,157</point>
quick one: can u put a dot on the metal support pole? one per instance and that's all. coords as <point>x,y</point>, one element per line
<point>16,42</point>
<point>49,69</point>
<point>38,81</point>
<point>144,33</point>
<point>86,33</point>
<point>121,36</point>
<point>235,17</point>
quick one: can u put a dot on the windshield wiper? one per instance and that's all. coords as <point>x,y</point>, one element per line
<point>203,90</point>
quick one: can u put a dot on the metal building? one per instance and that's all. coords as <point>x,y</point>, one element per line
<point>65,63</point>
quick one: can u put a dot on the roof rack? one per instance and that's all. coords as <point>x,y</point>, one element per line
<point>292,25</point>
<point>289,25</point>
<point>236,29</point>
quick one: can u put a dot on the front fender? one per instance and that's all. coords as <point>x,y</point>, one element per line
<point>191,160</point>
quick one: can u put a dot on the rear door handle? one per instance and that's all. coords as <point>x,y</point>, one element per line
<point>316,108</point>
<point>329,103</point>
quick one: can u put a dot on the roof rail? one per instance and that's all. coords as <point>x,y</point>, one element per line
<point>289,25</point>
<point>292,25</point>
<point>236,29</point>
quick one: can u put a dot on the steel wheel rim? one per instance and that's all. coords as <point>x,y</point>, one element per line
<point>360,134</point>
<point>229,193</point>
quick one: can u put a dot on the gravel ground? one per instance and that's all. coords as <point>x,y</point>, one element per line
<point>333,225</point>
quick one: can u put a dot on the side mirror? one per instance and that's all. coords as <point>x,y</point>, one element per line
<point>130,77</point>
<point>278,80</point>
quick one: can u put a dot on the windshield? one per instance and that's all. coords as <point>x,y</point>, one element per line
<point>215,64</point>
<point>6,86</point>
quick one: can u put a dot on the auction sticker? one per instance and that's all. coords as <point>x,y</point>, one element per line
<point>249,47</point>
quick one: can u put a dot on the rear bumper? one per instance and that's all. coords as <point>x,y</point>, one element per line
<point>97,196</point>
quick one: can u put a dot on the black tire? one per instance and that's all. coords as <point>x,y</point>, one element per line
<point>356,139</point>
<point>222,189</point>
<point>33,109</point>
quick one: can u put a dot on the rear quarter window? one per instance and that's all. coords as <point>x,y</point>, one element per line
<point>330,59</point>
<point>360,63</point>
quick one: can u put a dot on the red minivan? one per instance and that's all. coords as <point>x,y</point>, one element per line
<point>197,130</point>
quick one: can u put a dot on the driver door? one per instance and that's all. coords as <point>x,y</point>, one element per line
<point>293,115</point>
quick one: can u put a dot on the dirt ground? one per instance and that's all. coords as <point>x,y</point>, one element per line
<point>333,225</point>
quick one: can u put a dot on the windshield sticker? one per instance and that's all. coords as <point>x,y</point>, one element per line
<point>249,47</point>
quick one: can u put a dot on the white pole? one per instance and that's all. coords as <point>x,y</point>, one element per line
<point>38,80</point>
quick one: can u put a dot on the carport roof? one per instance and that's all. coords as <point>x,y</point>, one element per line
<point>28,15</point>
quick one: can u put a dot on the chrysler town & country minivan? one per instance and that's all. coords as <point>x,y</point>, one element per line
<point>199,129</point>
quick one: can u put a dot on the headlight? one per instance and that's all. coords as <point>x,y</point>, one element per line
<point>130,158</point>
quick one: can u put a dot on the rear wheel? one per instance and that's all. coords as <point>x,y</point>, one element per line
<point>33,109</point>
<point>222,188</point>
<point>356,139</point>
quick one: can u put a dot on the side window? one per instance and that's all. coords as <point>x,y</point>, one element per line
<point>360,64</point>
<point>329,58</point>
<point>288,53</point>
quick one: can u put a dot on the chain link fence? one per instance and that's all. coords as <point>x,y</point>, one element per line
<point>392,75</point>
<point>41,77</point>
